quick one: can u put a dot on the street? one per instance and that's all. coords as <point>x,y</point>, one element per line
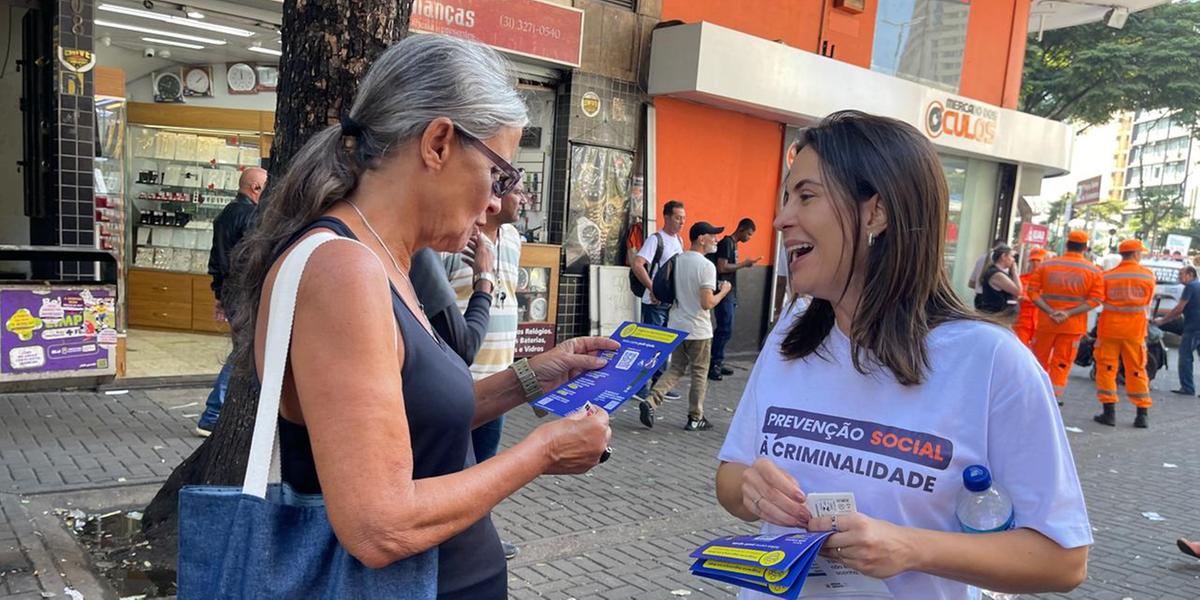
<point>623,531</point>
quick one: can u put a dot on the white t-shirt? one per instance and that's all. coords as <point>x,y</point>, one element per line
<point>672,245</point>
<point>985,401</point>
<point>693,272</point>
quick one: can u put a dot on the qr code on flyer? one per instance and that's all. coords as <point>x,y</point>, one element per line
<point>627,359</point>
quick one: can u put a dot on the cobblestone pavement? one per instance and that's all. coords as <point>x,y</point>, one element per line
<point>623,531</point>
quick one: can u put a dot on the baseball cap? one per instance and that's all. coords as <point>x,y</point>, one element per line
<point>1037,254</point>
<point>703,228</point>
<point>1131,246</point>
<point>1078,236</point>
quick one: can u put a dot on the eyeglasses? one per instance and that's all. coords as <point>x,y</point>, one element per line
<point>508,178</point>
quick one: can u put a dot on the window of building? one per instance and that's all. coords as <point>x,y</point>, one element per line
<point>914,39</point>
<point>630,4</point>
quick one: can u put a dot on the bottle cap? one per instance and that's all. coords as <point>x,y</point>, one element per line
<point>977,478</point>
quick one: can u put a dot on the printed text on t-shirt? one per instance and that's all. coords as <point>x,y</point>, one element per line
<point>913,446</point>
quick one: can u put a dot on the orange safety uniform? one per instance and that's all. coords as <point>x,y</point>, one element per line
<point>1027,313</point>
<point>1063,283</point>
<point>1121,333</point>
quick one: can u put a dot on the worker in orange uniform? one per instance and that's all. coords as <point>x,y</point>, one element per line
<point>1064,290</point>
<point>1026,322</point>
<point>1121,335</point>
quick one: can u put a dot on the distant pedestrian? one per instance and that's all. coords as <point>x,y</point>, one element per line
<point>1065,289</point>
<point>976,280</point>
<point>727,263</point>
<point>1188,307</point>
<point>697,291</point>
<point>658,249</point>
<point>1121,335</point>
<point>1026,323</point>
<point>235,220</point>
<point>1001,285</point>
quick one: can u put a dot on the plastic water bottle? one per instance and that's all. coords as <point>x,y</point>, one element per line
<point>983,507</point>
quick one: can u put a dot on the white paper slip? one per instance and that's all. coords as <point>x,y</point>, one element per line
<point>830,503</point>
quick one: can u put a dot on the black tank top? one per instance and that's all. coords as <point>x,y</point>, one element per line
<point>994,300</point>
<point>439,401</point>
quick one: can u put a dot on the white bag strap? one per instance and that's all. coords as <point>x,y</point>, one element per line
<point>263,464</point>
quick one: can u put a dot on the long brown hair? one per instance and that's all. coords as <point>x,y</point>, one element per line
<point>907,291</point>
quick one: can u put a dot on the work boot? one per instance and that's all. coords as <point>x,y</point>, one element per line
<point>1142,420</point>
<point>1108,417</point>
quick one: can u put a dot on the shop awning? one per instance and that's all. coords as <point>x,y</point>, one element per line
<point>1045,15</point>
<point>720,67</point>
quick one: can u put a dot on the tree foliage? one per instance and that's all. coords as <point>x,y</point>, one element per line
<point>1090,72</point>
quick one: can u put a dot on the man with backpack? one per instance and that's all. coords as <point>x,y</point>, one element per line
<point>658,249</point>
<point>692,279</point>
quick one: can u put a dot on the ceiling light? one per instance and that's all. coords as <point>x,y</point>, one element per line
<point>262,50</point>
<point>145,14</point>
<point>170,43</point>
<point>181,36</point>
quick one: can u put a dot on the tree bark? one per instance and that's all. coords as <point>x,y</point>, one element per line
<point>328,46</point>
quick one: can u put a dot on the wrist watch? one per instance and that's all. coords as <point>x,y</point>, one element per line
<point>485,276</point>
<point>529,382</point>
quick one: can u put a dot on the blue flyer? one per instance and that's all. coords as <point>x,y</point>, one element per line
<point>773,565</point>
<point>643,349</point>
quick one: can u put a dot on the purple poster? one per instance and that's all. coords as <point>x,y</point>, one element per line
<point>57,329</point>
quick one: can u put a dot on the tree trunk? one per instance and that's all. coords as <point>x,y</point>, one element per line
<point>327,47</point>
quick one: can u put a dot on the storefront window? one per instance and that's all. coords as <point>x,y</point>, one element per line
<point>956,181</point>
<point>973,185</point>
<point>922,40</point>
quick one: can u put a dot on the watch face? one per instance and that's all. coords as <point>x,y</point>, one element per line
<point>198,82</point>
<point>242,78</point>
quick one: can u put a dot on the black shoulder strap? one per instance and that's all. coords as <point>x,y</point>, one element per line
<point>658,251</point>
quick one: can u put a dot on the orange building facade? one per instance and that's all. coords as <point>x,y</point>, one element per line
<point>732,80</point>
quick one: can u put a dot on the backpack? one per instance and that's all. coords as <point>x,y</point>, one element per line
<point>664,281</point>
<point>635,284</point>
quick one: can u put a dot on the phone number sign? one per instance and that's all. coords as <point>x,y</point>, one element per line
<point>532,28</point>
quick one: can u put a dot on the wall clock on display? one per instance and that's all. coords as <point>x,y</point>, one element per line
<point>242,79</point>
<point>268,77</point>
<point>197,81</point>
<point>168,87</point>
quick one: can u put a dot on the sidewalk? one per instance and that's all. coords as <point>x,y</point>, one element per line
<point>622,531</point>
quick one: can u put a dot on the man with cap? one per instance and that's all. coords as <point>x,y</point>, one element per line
<point>1121,335</point>
<point>1189,308</point>
<point>1064,290</point>
<point>1027,314</point>
<point>696,293</point>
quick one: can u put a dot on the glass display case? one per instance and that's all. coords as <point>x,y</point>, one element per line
<point>112,233</point>
<point>179,180</point>
<point>537,298</point>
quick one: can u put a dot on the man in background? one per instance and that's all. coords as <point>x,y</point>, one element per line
<point>726,261</point>
<point>658,249</point>
<point>234,222</point>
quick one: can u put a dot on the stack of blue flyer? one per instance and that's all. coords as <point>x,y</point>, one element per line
<point>772,564</point>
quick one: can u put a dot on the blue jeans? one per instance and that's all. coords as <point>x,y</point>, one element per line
<point>216,398</point>
<point>723,317</point>
<point>485,439</point>
<point>655,314</point>
<point>1187,348</point>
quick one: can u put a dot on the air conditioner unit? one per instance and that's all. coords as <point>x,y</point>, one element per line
<point>1116,17</point>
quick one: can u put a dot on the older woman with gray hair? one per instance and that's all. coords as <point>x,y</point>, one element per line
<point>376,410</point>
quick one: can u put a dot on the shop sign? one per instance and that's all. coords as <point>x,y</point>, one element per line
<point>965,123</point>
<point>59,330</point>
<point>1032,233</point>
<point>590,104</point>
<point>1087,191</point>
<point>75,60</point>
<point>534,338</point>
<point>1178,243</point>
<point>532,28</point>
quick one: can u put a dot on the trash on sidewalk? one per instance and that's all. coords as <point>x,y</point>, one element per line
<point>681,592</point>
<point>1170,466</point>
<point>1073,429</point>
<point>1153,516</point>
<point>185,405</point>
<point>73,593</point>
<point>116,392</point>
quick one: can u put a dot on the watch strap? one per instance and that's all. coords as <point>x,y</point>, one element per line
<point>528,380</point>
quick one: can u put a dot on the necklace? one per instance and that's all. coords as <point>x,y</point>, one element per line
<point>387,251</point>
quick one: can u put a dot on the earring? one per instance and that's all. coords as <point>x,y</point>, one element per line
<point>870,239</point>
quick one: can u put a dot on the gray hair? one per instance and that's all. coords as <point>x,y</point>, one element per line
<point>429,76</point>
<point>417,80</point>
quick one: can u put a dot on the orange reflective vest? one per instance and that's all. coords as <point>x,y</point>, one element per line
<point>1128,291</point>
<point>1028,311</point>
<point>1064,283</point>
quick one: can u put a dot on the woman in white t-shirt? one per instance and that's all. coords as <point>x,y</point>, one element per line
<point>887,386</point>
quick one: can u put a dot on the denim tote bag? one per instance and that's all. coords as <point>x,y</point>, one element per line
<point>267,541</point>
